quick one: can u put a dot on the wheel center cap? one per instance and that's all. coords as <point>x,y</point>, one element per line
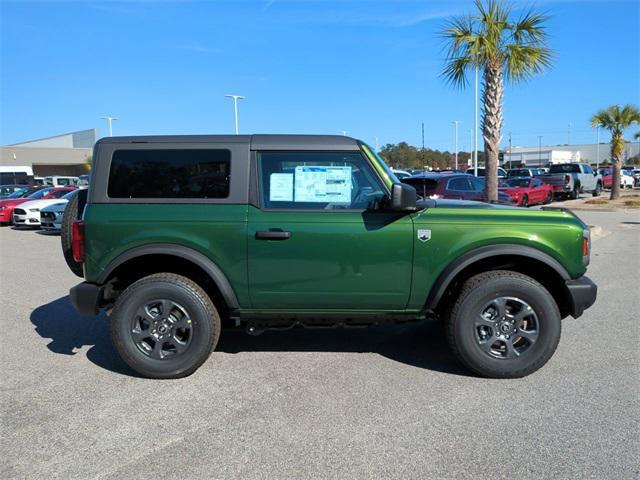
<point>505,327</point>
<point>162,329</point>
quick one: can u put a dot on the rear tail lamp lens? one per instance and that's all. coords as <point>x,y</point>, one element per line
<point>77,241</point>
<point>586,246</point>
<point>567,179</point>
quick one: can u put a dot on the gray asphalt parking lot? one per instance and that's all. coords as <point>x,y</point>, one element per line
<point>385,402</point>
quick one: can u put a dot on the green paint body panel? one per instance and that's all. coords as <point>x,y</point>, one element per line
<point>335,261</point>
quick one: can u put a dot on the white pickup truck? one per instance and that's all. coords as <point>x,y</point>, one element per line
<point>572,179</point>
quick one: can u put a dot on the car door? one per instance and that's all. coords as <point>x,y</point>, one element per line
<point>537,192</point>
<point>459,188</point>
<point>477,189</point>
<point>316,239</point>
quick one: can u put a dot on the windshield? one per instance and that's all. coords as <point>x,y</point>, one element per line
<point>383,169</point>
<point>40,193</point>
<point>18,193</point>
<point>522,172</point>
<point>70,195</point>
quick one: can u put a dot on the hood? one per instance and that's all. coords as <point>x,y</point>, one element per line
<point>12,202</point>
<point>56,207</point>
<point>39,204</point>
<point>465,204</point>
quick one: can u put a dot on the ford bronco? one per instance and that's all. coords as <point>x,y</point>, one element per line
<point>181,237</point>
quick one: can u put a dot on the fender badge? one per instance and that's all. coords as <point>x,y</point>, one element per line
<point>424,235</point>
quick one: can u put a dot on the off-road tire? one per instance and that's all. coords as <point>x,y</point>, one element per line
<point>206,325</point>
<point>598,190</point>
<point>72,212</point>
<point>482,288</point>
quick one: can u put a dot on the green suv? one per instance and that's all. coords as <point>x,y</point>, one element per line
<point>180,237</point>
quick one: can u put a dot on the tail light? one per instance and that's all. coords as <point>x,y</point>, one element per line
<point>586,246</point>
<point>567,179</point>
<point>77,241</point>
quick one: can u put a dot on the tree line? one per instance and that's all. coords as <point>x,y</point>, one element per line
<point>404,156</point>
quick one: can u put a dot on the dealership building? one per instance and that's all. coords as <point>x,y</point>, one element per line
<point>540,156</point>
<point>64,154</point>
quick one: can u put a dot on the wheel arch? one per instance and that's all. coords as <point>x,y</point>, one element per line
<point>520,258</point>
<point>143,260</point>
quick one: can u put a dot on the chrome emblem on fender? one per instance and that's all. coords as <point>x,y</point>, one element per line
<point>424,235</point>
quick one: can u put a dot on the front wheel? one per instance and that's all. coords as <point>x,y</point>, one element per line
<point>504,325</point>
<point>548,199</point>
<point>525,201</point>
<point>164,326</point>
<point>598,190</point>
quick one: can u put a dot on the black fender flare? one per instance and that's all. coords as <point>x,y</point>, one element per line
<point>463,261</point>
<point>189,254</point>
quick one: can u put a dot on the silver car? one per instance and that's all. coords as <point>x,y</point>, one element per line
<point>51,215</point>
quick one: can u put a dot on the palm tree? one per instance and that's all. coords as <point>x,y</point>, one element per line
<point>616,119</point>
<point>501,47</point>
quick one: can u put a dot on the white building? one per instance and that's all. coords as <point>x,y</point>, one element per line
<point>551,154</point>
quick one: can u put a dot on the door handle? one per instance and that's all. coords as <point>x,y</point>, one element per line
<point>273,235</point>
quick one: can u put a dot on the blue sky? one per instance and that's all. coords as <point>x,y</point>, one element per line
<point>370,68</point>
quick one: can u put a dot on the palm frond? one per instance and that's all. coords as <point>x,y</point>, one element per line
<point>455,70</point>
<point>529,28</point>
<point>524,61</point>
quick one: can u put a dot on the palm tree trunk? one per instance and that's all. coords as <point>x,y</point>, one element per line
<point>492,125</point>
<point>617,150</point>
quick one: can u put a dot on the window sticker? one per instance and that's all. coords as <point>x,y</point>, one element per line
<point>281,187</point>
<point>323,184</point>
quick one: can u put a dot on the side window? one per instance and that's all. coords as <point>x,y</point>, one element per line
<point>318,181</point>
<point>460,184</point>
<point>184,173</point>
<point>476,184</point>
<point>537,183</point>
<point>587,169</point>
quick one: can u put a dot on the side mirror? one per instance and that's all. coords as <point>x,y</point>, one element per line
<point>595,174</point>
<point>403,197</point>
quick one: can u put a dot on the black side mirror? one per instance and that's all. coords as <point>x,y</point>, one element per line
<point>403,197</point>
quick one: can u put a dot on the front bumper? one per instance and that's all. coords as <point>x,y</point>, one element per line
<point>583,293</point>
<point>28,218</point>
<point>86,298</point>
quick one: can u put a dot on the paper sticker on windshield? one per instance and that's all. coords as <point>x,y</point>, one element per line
<point>323,184</point>
<point>281,187</point>
<point>424,235</point>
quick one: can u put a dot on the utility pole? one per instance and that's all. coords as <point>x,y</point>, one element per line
<point>510,158</point>
<point>110,120</point>
<point>456,123</point>
<point>539,150</point>
<point>422,136</point>
<point>235,107</point>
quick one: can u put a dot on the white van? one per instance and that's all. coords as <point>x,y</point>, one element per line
<point>15,175</point>
<point>61,181</point>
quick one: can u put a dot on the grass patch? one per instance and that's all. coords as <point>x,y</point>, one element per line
<point>635,195</point>
<point>598,201</point>
<point>631,203</point>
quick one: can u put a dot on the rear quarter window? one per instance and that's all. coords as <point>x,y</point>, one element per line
<point>176,173</point>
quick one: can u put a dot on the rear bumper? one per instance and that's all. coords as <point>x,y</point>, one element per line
<point>86,298</point>
<point>583,293</point>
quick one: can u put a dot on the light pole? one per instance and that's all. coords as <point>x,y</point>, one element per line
<point>475,125</point>
<point>597,148</point>
<point>539,150</point>
<point>456,123</point>
<point>110,120</point>
<point>235,107</point>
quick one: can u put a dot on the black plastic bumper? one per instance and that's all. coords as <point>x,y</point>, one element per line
<point>86,298</point>
<point>583,293</point>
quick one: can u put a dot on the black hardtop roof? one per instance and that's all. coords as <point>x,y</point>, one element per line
<point>256,142</point>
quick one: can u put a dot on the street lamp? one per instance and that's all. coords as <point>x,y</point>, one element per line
<point>597,148</point>
<point>110,120</point>
<point>235,107</point>
<point>456,123</point>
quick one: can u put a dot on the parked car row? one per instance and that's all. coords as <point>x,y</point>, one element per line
<point>36,206</point>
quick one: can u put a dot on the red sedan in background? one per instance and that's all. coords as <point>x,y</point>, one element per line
<point>525,191</point>
<point>8,204</point>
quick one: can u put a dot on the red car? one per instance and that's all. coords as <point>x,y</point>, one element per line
<point>607,177</point>
<point>525,191</point>
<point>457,186</point>
<point>8,204</point>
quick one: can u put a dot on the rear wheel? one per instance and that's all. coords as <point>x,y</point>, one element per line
<point>72,212</point>
<point>548,199</point>
<point>575,193</point>
<point>504,325</point>
<point>164,326</point>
